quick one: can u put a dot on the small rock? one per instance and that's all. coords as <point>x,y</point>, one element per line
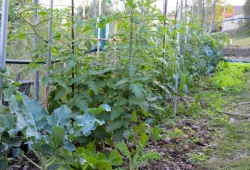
<point>167,139</point>
<point>176,167</point>
<point>231,120</point>
<point>186,146</point>
<point>171,150</point>
<point>25,167</point>
<point>166,168</point>
<point>195,127</point>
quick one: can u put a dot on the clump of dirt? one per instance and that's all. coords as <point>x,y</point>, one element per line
<point>23,164</point>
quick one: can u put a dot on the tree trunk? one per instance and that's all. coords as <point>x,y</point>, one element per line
<point>213,13</point>
<point>206,14</point>
<point>199,7</point>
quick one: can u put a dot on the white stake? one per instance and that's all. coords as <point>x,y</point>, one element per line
<point>178,62</point>
<point>48,60</point>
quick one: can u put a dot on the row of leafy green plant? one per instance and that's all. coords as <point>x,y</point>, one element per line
<point>106,99</point>
<point>230,76</point>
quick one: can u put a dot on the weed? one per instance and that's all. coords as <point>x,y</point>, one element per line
<point>138,156</point>
<point>197,158</point>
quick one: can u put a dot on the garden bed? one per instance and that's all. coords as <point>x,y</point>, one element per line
<point>236,51</point>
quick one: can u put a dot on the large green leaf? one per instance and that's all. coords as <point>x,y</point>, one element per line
<point>117,124</point>
<point>46,148</point>
<point>9,91</point>
<point>139,101</point>
<point>88,123</point>
<point>123,81</point>
<point>69,146</point>
<point>58,135</point>
<point>136,89</point>
<point>81,104</point>
<point>11,141</point>
<point>103,165</point>
<point>61,83</point>
<point>132,69</point>
<point>60,116</point>
<point>98,72</point>
<point>116,112</point>
<point>92,85</point>
<point>76,79</point>
<point>7,120</point>
<point>90,150</point>
<point>60,93</point>
<point>143,140</point>
<point>115,158</point>
<point>3,163</point>
<point>103,107</point>
<point>30,116</point>
<point>70,64</point>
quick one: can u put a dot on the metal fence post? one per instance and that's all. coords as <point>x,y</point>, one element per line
<point>4,25</point>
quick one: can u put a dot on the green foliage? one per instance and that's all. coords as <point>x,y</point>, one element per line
<point>202,52</point>
<point>246,7</point>
<point>246,27</point>
<point>156,133</point>
<point>106,96</point>
<point>175,133</point>
<point>197,158</point>
<point>50,136</point>
<point>137,156</point>
<point>89,158</point>
<point>230,76</point>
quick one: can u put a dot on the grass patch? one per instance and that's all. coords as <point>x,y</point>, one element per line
<point>244,42</point>
<point>232,148</point>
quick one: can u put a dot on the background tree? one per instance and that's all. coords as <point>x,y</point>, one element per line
<point>246,11</point>
<point>219,12</point>
<point>246,8</point>
<point>207,6</point>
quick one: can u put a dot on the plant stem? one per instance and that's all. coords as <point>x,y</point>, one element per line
<point>131,37</point>
<point>32,26</point>
<point>37,155</point>
<point>32,162</point>
<point>51,160</point>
